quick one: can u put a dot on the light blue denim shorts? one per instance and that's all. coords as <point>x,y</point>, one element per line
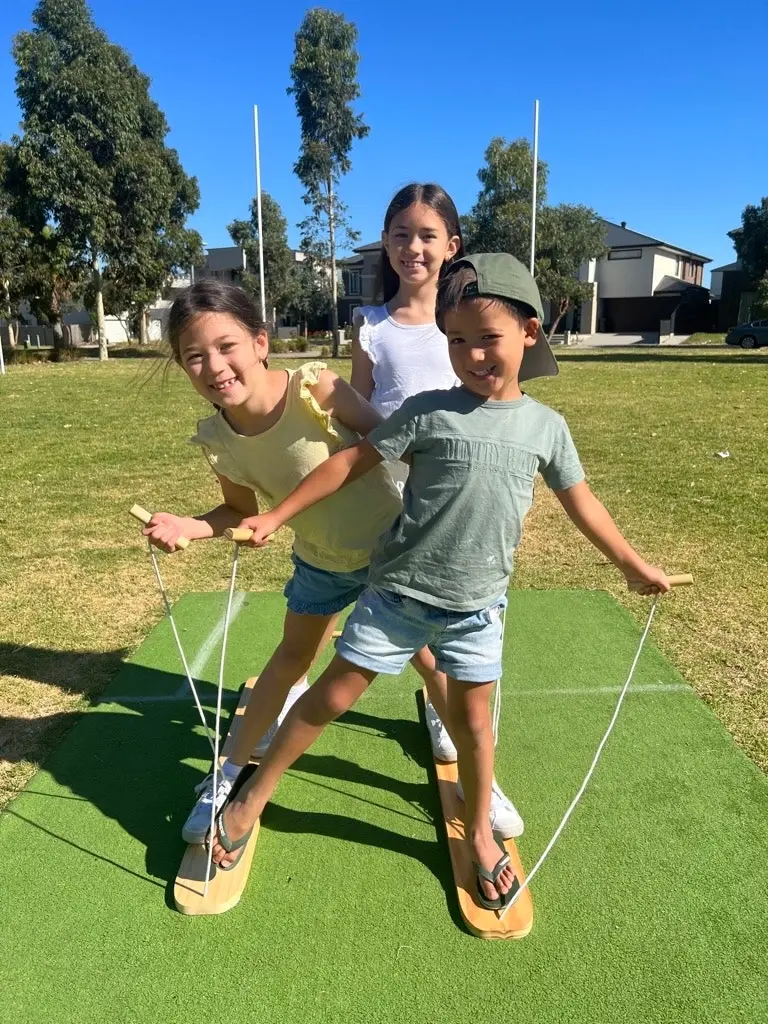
<point>313,591</point>
<point>385,629</point>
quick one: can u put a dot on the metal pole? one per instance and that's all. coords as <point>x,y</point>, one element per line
<point>535,180</point>
<point>2,359</point>
<point>258,212</point>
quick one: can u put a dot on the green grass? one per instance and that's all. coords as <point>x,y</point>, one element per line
<point>82,441</point>
<point>651,909</point>
<point>705,338</point>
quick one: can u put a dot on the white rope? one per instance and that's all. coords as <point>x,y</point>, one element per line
<point>169,613</point>
<point>217,729</point>
<point>588,776</point>
<point>497,689</point>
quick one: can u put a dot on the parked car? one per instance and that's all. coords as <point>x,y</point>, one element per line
<point>751,335</point>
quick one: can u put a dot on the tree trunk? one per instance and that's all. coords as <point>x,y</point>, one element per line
<point>59,341</point>
<point>100,325</point>
<point>334,290</point>
<point>562,310</point>
<point>143,325</point>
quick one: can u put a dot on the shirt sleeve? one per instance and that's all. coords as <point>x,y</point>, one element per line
<point>215,451</point>
<point>564,467</point>
<point>396,436</point>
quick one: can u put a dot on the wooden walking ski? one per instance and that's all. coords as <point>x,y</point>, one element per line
<point>225,887</point>
<point>518,921</point>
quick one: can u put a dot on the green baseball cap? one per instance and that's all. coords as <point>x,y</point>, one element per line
<point>501,276</point>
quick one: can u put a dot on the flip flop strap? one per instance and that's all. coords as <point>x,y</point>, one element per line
<point>489,876</point>
<point>229,844</point>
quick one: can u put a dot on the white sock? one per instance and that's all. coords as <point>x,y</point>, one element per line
<point>230,770</point>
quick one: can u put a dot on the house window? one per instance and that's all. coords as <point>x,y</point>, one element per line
<point>625,254</point>
<point>354,282</point>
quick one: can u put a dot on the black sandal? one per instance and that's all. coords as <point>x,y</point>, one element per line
<point>229,844</point>
<point>503,899</point>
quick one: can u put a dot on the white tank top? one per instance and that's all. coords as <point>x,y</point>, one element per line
<point>406,358</point>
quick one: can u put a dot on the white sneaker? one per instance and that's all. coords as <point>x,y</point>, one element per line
<point>504,816</point>
<point>199,821</point>
<point>442,744</point>
<point>293,695</point>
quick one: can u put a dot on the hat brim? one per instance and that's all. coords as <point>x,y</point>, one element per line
<point>538,360</point>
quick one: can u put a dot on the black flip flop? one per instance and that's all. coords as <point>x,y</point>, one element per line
<point>229,845</point>
<point>493,876</point>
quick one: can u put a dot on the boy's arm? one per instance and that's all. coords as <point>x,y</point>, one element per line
<point>594,521</point>
<point>327,478</point>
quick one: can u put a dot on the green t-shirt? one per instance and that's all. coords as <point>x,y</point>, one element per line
<point>473,465</point>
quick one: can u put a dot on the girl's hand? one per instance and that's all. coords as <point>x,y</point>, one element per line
<point>262,528</point>
<point>647,580</point>
<point>164,529</point>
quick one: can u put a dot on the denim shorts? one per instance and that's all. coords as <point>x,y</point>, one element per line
<point>313,591</point>
<point>385,629</point>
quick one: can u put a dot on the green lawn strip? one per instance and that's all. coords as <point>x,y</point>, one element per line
<point>651,908</point>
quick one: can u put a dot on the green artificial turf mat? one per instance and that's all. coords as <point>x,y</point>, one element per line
<point>651,908</point>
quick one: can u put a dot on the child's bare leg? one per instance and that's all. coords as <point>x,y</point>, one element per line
<point>436,683</point>
<point>334,693</point>
<point>304,636</point>
<point>469,711</point>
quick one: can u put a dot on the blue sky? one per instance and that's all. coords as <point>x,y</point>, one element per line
<point>651,113</point>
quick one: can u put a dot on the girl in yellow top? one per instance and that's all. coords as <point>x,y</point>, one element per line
<point>271,429</point>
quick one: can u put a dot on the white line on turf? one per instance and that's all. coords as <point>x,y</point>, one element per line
<point>590,691</point>
<point>197,666</point>
<point>214,637</point>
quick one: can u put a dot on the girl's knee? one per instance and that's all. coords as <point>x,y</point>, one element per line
<point>291,659</point>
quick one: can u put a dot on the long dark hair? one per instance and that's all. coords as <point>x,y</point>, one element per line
<point>211,296</point>
<point>437,199</point>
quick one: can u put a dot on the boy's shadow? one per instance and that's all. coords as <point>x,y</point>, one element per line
<point>132,765</point>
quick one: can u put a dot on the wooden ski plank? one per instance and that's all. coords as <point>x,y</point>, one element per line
<point>225,887</point>
<point>518,922</point>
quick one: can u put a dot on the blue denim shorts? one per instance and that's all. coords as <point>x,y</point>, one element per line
<point>385,629</point>
<point>313,591</point>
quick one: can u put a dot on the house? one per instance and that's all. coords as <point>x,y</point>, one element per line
<point>732,295</point>
<point>642,283</point>
<point>359,274</point>
<point>227,264</point>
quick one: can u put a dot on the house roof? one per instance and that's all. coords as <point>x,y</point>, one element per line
<point>675,286</point>
<point>368,247</point>
<point>618,236</point>
<point>728,266</point>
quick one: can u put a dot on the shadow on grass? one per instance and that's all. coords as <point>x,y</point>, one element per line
<point>132,765</point>
<point>76,671</point>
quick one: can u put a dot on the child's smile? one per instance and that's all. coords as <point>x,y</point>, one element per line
<point>486,342</point>
<point>218,355</point>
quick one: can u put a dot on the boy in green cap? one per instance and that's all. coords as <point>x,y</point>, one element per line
<point>440,575</point>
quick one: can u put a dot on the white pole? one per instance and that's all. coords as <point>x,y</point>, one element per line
<point>535,180</point>
<point>2,358</point>
<point>258,212</point>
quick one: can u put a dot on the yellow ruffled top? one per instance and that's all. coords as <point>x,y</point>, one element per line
<point>337,534</point>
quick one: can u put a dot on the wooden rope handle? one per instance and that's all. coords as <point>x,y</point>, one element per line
<point>144,517</point>
<point>682,579</point>
<point>238,534</point>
